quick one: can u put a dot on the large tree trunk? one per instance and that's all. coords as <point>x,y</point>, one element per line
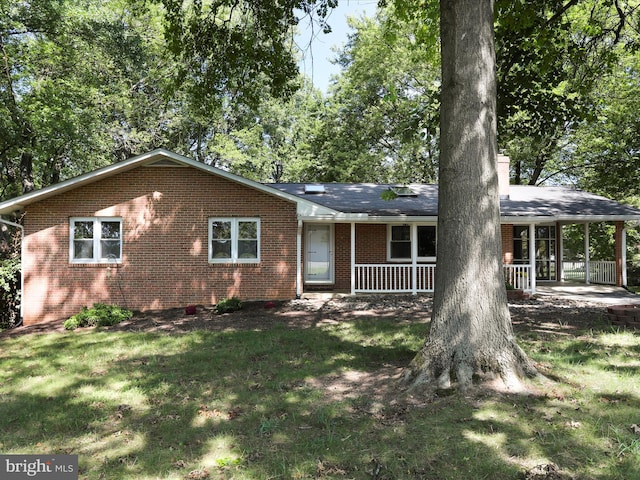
<point>471,336</point>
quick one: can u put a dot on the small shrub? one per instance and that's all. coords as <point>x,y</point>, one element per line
<point>71,323</point>
<point>100,315</point>
<point>228,305</point>
<point>9,292</point>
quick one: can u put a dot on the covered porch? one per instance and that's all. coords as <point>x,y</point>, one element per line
<point>369,263</point>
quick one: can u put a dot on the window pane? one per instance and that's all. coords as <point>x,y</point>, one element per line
<point>400,233</point>
<point>110,229</point>
<point>248,230</point>
<point>83,249</point>
<point>220,249</point>
<point>521,232</point>
<point>83,229</point>
<point>247,249</point>
<point>520,243</point>
<point>221,230</point>
<point>110,249</point>
<point>426,241</point>
<point>400,249</point>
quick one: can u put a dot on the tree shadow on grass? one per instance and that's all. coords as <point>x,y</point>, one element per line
<point>273,403</point>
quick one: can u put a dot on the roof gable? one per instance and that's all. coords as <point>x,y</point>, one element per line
<point>157,159</point>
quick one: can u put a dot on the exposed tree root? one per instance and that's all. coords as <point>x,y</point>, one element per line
<point>436,369</point>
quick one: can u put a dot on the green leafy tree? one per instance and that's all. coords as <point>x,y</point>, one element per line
<point>550,57</point>
<point>274,135</point>
<point>381,120</point>
<point>606,152</point>
<point>85,83</point>
<point>72,85</point>
<point>239,49</point>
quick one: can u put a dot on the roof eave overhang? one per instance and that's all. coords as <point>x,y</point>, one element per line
<point>332,216</point>
<point>368,218</point>
<point>328,215</point>
<point>403,218</point>
<point>598,218</point>
<point>568,219</point>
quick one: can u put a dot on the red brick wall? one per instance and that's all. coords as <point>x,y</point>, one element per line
<point>371,243</point>
<point>165,213</point>
<point>507,243</point>
<point>343,256</point>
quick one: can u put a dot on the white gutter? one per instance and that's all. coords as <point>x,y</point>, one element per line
<point>525,220</point>
<point>624,257</point>
<point>13,224</point>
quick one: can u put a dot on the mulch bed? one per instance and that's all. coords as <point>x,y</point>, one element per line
<point>546,314</point>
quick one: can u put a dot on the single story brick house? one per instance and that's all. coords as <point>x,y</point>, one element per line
<point>161,230</point>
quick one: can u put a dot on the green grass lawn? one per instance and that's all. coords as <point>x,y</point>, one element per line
<point>247,405</point>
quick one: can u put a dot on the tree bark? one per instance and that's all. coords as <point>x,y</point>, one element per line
<point>471,337</point>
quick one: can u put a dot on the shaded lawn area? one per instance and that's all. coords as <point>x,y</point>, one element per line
<point>309,390</point>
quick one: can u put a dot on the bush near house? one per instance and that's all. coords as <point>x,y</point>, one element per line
<point>228,305</point>
<point>9,292</point>
<point>100,315</point>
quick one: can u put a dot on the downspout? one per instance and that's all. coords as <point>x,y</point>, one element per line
<point>13,224</point>
<point>352,259</point>
<point>624,257</point>
<point>299,260</point>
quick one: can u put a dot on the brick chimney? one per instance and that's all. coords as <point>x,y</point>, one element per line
<point>503,176</point>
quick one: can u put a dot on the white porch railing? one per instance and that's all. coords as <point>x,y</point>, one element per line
<point>393,278</point>
<point>602,272</point>
<point>398,278</point>
<point>518,276</point>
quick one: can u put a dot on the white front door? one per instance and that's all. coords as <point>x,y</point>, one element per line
<point>318,253</point>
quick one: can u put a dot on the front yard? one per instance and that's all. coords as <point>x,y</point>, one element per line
<point>309,389</point>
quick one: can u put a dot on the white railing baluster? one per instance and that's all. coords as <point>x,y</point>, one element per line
<point>389,278</point>
<point>602,271</point>
<point>518,276</point>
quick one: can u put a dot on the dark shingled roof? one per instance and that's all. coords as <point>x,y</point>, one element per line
<point>366,198</point>
<point>558,203</point>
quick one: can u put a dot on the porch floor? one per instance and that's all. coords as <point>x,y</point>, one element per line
<point>605,294</point>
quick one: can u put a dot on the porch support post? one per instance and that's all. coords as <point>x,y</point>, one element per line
<point>621,255</point>
<point>560,253</point>
<point>587,259</point>
<point>414,259</point>
<point>353,258</point>
<point>299,260</point>
<point>532,257</point>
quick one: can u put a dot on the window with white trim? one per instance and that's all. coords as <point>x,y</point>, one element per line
<point>234,240</point>
<point>399,241</point>
<point>95,240</point>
